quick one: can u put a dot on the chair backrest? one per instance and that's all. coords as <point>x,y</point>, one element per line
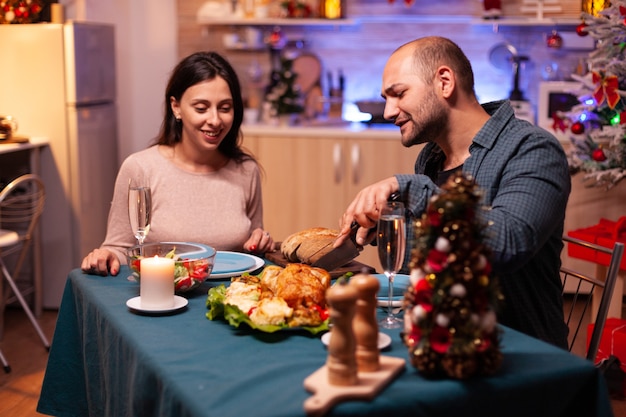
<point>584,288</point>
<point>21,204</point>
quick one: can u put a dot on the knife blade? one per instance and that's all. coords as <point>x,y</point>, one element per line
<point>348,250</point>
<point>342,254</point>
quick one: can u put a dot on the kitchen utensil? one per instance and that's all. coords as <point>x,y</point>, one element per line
<point>374,107</point>
<point>341,255</point>
<point>505,56</point>
<point>309,69</point>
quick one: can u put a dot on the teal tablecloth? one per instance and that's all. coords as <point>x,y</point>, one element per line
<point>108,361</point>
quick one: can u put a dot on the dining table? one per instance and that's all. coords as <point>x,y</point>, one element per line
<point>107,359</point>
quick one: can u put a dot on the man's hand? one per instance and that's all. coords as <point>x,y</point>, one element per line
<point>365,210</point>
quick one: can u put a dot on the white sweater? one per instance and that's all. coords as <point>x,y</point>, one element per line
<point>219,209</point>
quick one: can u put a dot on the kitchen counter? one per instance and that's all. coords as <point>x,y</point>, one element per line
<point>346,130</point>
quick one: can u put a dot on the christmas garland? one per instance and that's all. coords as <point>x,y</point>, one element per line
<point>450,305</point>
<point>19,11</point>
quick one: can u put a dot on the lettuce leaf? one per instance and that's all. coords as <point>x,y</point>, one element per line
<point>234,316</point>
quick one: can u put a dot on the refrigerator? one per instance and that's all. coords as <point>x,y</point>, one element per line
<point>59,82</point>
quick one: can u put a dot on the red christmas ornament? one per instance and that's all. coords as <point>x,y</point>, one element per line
<point>578,128</point>
<point>598,155</point>
<point>581,30</point>
<point>554,40</point>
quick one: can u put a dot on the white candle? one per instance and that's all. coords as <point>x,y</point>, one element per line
<point>156,286</point>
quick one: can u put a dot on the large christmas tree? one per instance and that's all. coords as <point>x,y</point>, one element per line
<point>598,123</point>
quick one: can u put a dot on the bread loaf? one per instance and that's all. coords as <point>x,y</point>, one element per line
<point>309,245</point>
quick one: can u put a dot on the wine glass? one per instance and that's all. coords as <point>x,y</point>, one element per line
<point>391,237</point>
<point>139,208</point>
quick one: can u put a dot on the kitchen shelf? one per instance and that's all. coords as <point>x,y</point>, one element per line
<point>527,21</point>
<point>236,21</point>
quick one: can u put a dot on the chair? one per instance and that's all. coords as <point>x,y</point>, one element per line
<point>575,316</point>
<point>21,205</point>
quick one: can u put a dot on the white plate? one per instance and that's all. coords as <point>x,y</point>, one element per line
<point>258,262</point>
<point>384,340</point>
<point>226,262</point>
<point>135,304</point>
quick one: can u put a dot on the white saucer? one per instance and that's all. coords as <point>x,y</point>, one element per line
<point>135,304</point>
<point>384,340</point>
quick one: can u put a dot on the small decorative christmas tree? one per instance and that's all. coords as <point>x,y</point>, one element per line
<point>283,93</point>
<point>450,306</point>
<point>598,123</point>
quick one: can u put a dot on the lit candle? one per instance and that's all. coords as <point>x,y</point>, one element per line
<point>156,286</point>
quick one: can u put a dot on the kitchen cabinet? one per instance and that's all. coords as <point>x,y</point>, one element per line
<point>310,180</point>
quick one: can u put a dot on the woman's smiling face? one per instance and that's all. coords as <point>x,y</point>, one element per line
<point>206,112</point>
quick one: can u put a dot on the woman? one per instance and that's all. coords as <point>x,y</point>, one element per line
<point>205,188</point>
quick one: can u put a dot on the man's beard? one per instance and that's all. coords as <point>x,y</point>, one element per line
<point>432,123</point>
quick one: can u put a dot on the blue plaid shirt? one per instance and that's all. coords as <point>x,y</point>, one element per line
<point>523,173</point>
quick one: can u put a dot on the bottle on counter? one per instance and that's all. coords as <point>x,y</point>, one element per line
<point>261,9</point>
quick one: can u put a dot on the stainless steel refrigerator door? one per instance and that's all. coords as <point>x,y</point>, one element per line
<point>93,152</point>
<point>90,62</point>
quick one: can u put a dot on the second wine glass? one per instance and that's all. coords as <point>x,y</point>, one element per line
<point>139,208</point>
<point>391,237</point>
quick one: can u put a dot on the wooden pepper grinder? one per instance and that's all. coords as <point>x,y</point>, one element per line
<point>365,325</point>
<point>341,361</point>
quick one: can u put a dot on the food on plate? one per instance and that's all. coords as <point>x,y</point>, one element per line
<point>309,245</point>
<point>277,298</point>
<point>188,273</point>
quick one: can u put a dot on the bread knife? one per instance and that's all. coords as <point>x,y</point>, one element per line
<point>348,250</point>
<point>343,254</point>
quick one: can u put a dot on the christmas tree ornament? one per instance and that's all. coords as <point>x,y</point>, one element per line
<point>554,40</point>
<point>581,30</point>
<point>578,128</point>
<point>598,155</point>
<point>492,9</point>
<point>450,305</point>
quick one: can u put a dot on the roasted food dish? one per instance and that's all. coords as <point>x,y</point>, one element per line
<point>277,298</point>
<point>309,245</point>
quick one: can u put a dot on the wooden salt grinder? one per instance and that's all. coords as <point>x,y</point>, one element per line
<point>341,361</point>
<point>365,325</point>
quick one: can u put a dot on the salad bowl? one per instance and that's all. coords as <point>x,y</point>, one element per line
<point>193,261</point>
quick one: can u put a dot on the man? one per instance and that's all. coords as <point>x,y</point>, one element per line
<point>428,86</point>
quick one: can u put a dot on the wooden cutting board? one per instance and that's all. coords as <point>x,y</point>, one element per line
<point>325,396</point>
<point>356,267</point>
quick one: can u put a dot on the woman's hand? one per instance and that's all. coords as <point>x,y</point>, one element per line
<point>260,242</point>
<point>101,262</point>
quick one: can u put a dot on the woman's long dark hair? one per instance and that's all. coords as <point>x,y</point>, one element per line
<point>198,67</point>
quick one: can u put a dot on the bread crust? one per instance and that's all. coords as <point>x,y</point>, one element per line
<point>309,245</point>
